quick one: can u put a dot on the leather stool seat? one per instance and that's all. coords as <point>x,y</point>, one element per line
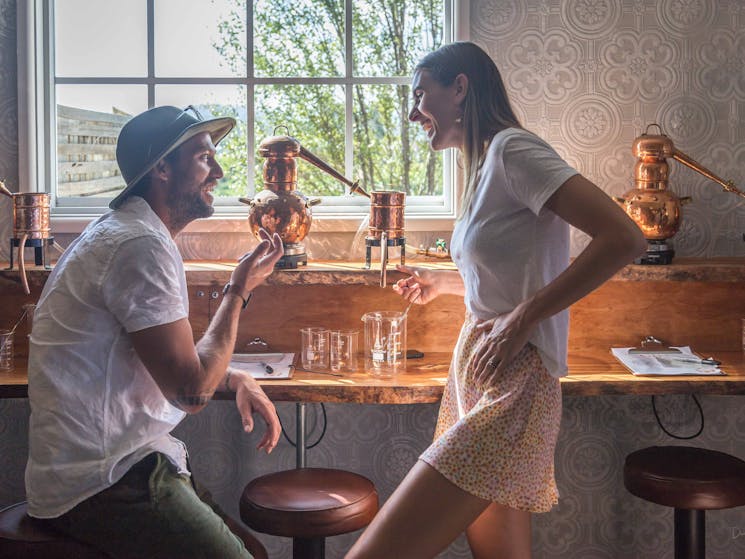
<point>309,504</point>
<point>691,480</point>
<point>23,537</point>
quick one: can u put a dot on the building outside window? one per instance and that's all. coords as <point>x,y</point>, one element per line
<point>334,74</point>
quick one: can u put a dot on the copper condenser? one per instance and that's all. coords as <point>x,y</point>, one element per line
<point>386,228</point>
<point>30,228</point>
<point>654,208</point>
<point>280,207</point>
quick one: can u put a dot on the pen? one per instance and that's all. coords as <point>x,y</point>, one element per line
<point>709,361</point>
<point>269,370</point>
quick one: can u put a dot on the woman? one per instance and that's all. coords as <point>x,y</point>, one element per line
<point>491,464</point>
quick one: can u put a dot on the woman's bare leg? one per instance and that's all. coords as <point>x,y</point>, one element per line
<point>500,532</point>
<point>422,517</point>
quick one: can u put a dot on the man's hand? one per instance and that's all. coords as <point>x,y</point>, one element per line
<point>255,266</point>
<point>250,399</point>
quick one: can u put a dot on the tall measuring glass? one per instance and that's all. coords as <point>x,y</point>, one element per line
<point>385,343</point>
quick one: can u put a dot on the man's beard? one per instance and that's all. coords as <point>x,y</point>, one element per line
<point>188,206</point>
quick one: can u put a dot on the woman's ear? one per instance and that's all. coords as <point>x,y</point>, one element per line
<point>460,83</point>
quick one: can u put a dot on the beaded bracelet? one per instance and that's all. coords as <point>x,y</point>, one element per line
<point>245,301</point>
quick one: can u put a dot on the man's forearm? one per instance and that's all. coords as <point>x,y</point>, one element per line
<point>215,349</point>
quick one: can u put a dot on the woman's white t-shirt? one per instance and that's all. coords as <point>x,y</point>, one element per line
<point>508,246</point>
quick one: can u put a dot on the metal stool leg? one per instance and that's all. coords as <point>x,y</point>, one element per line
<point>690,534</point>
<point>308,548</point>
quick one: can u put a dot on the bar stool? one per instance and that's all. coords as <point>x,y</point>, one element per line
<point>308,505</point>
<point>23,537</point>
<point>692,481</point>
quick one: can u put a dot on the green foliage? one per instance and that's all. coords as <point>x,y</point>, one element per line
<point>305,39</point>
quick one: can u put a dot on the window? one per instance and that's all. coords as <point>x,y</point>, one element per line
<point>334,74</point>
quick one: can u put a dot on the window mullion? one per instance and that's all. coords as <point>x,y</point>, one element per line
<point>250,101</point>
<point>150,53</point>
<point>348,92</point>
<point>49,103</point>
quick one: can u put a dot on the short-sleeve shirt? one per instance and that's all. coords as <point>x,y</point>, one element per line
<point>507,245</point>
<point>95,409</point>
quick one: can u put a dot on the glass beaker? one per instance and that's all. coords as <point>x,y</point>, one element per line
<point>6,350</point>
<point>343,350</point>
<point>314,347</point>
<point>385,343</point>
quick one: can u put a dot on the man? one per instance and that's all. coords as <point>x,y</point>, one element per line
<point>113,367</point>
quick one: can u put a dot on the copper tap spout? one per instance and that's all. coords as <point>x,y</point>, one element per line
<point>310,158</point>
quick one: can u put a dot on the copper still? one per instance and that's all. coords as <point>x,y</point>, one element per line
<point>31,228</point>
<point>281,208</point>
<point>386,228</point>
<point>654,208</point>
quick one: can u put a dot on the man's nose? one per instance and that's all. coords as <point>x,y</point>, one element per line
<point>217,169</point>
<point>414,114</point>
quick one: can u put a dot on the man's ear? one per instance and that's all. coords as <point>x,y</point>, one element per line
<point>460,83</point>
<point>162,170</point>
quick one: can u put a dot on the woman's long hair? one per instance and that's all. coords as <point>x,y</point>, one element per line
<point>486,108</point>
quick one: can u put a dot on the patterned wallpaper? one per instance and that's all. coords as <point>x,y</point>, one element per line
<point>587,75</point>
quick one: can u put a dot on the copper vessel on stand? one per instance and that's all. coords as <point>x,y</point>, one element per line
<point>31,228</point>
<point>386,228</point>
<point>654,208</point>
<point>281,208</point>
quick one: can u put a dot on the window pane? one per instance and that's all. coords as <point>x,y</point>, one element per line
<point>100,38</point>
<point>213,102</point>
<point>299,38</point>
<point>390,37</point>
<point>200,38</point>
<point>389,151</point>
<point>313,115</point>
<point>89,118</point>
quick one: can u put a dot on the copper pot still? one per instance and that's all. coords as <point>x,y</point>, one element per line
<point>30,223</point>
<point>654,208</point>
<point>281,208</point>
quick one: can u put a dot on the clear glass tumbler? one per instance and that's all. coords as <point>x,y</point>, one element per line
<point>314,347</point>
<point>343,350</point>
<point>6,350</point>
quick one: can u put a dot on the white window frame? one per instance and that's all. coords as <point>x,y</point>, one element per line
<point>343,213</point>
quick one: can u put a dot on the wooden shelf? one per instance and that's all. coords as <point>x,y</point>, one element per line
<point>334,272</point>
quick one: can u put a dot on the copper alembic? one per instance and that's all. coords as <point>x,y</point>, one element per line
<point>654,208</point>
<point>280,207</point>
<point>31,228</point>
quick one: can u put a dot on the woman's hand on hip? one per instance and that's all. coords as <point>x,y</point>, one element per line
<point>499,348</point>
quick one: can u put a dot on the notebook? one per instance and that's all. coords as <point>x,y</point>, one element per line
<point>265,366</point>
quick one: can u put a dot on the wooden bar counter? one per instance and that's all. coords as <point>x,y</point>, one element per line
<point>589,375</point>
<point>693,302</point>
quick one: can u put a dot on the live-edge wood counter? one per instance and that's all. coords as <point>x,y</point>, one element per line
<point>589,375</point>
<point>696,302</point>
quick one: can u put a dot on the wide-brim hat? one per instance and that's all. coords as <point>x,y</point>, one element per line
<point>150,136</point>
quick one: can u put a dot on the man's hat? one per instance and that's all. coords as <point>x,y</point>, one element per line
<point>150,136</point>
